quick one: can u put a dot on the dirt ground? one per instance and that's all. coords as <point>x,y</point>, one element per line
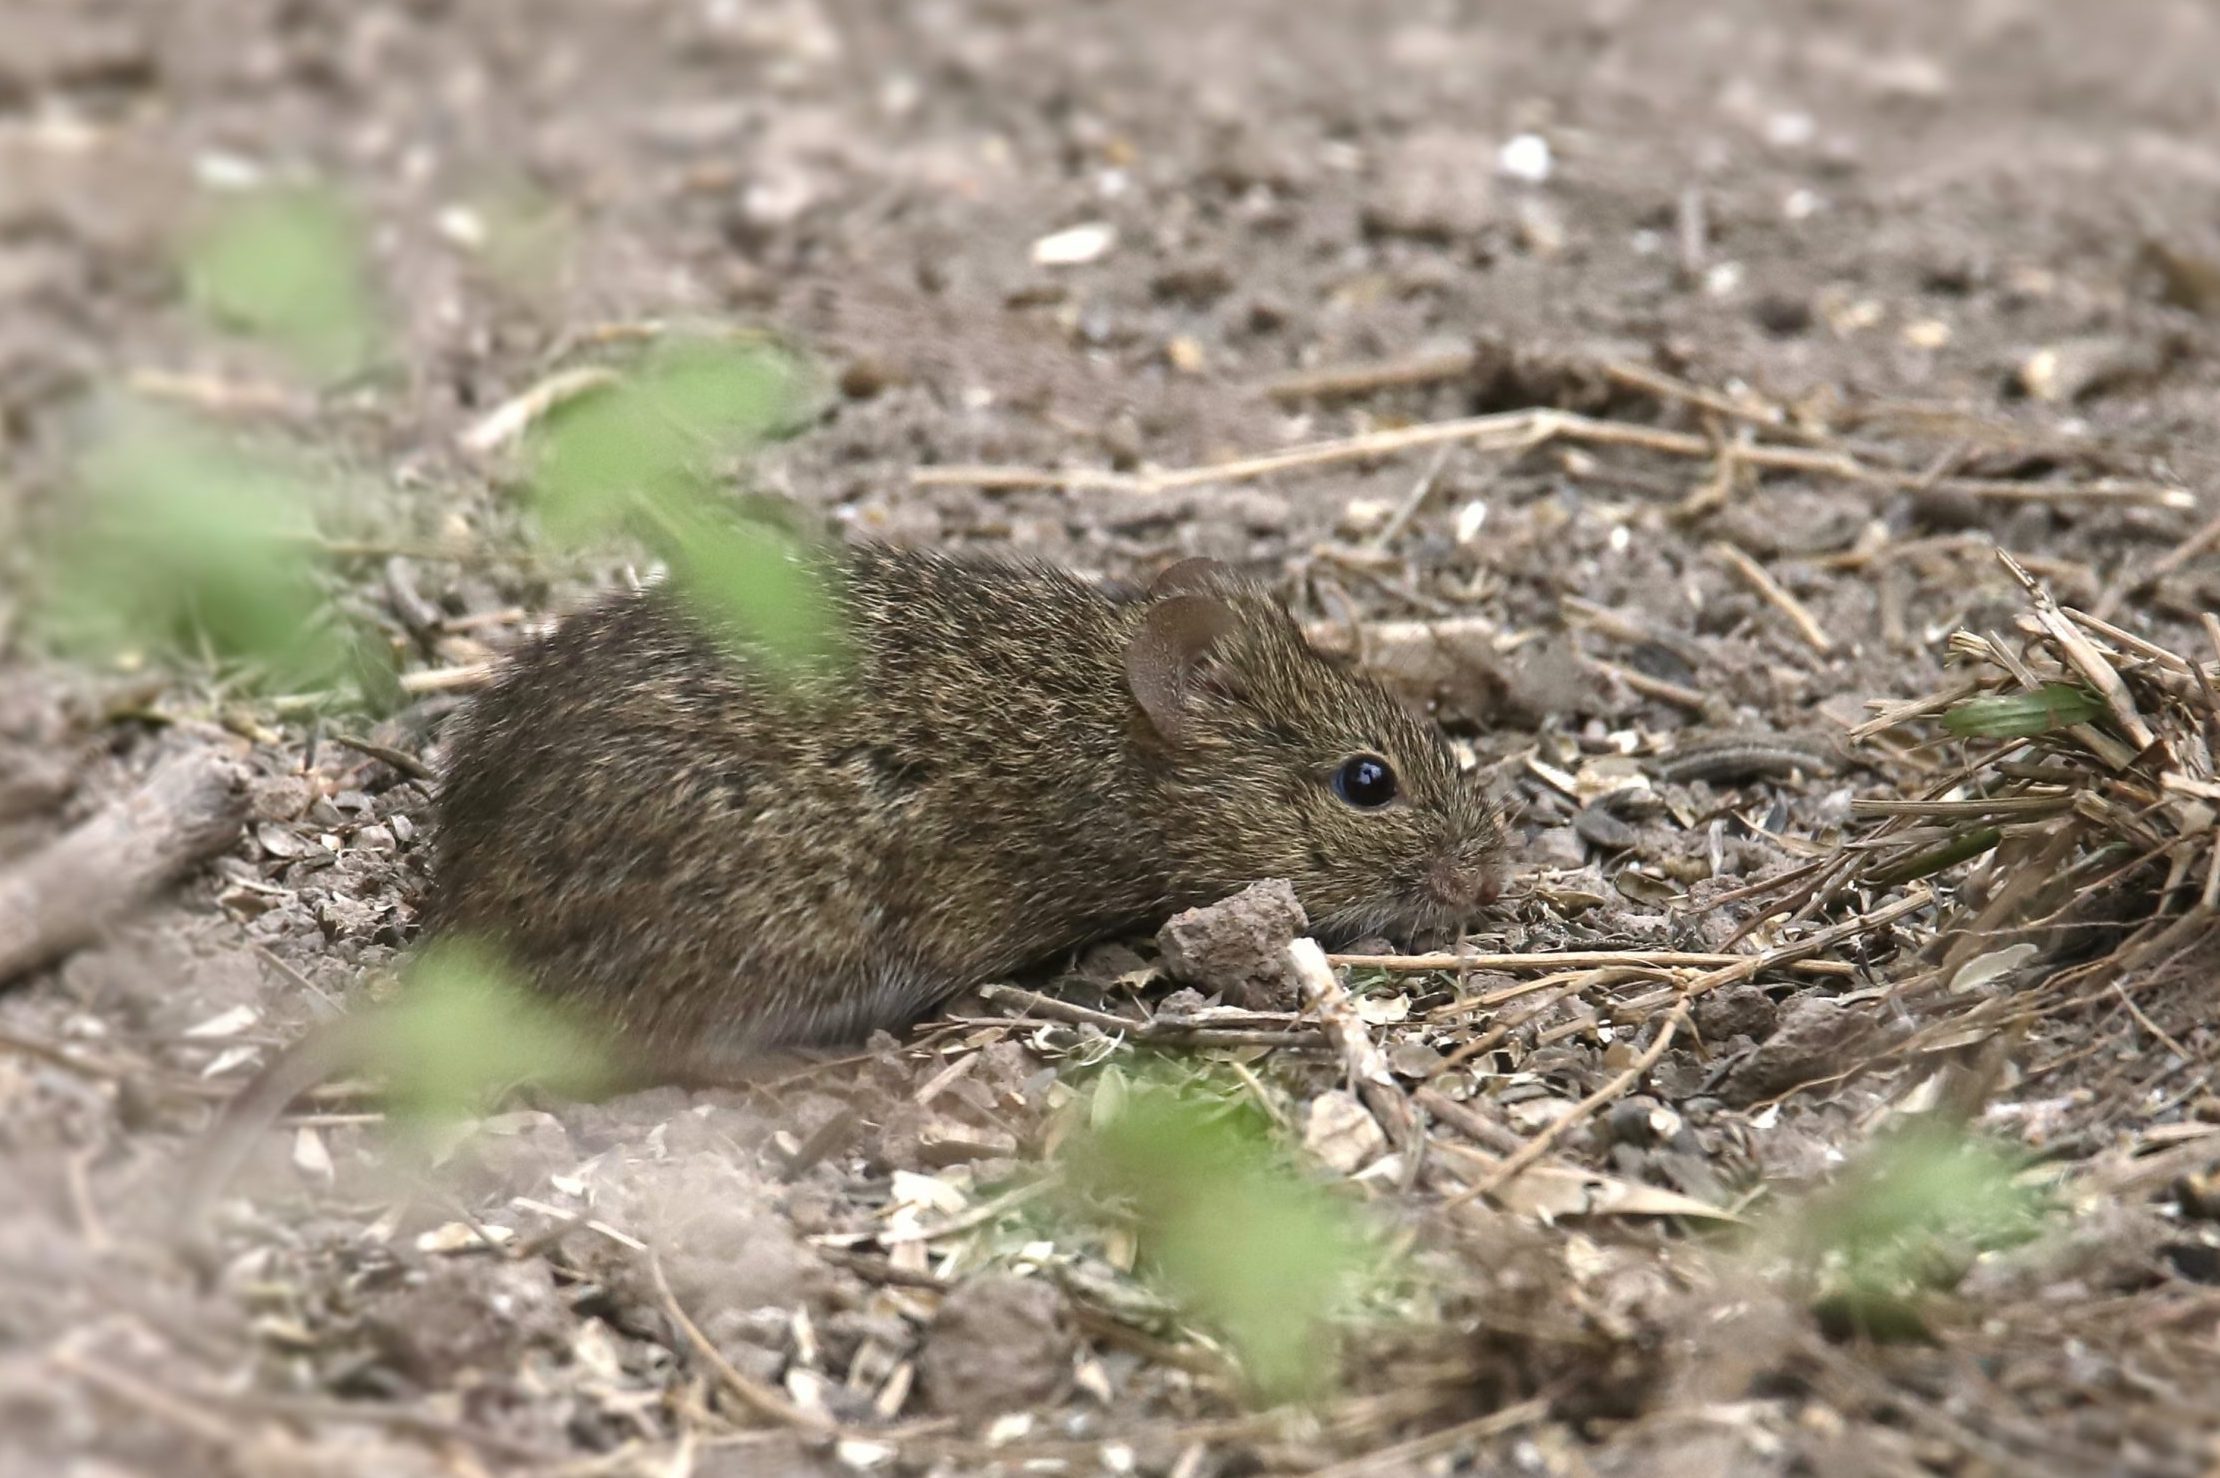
<point>1052,254</point>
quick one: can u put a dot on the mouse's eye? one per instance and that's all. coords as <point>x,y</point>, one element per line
<point>1365,781</point>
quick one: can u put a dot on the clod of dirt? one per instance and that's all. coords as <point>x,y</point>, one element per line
<point>998,1343</point>
<point>1812,1039</point>
<point>1736,1011</point>
<point>467,1316</point>
<point>1238,947</point>
<point>1438,184</point>
<point>721,1238</point>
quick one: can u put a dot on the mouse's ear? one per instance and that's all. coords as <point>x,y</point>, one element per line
<point>1197,576</point>
<point>1167,652</point>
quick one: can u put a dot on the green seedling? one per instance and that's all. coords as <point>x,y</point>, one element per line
<point>463,1031</point>
<point>186,542</point>
<point>1907,1219</point>
<point>286,265</point>
<point>1228,1227</point>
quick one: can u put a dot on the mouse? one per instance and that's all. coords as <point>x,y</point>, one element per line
<point>712,856</point>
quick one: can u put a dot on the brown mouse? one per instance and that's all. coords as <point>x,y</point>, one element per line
<point>712,859</point>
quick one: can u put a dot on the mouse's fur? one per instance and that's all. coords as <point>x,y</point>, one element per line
<point>1011,762</point>
<point>709,857</point>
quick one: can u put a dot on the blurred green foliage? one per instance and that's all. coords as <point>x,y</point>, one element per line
<point>642,457</point>
<point>188,541</point>
<point>185,542</point>
<point>1228,1225</point>
<point>523,237</point>
<point>1905,1219</point>
<point>464,1029</point>
<point>2023,715</point>
<point>286,265</point>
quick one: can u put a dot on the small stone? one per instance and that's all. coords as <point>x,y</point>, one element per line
<point>1525,157</point>
<point>1812,1037</point>
<point>1735,1011</point>
<point>1558,847</point>
<point>1604,829</point>
<point>865,377</point>
<point>1341,1132</point>
<point>1076,245</point>
<point>1413,1059</point>
<point>280,797</point>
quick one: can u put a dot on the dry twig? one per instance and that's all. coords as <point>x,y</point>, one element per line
<point>1580,1112</point>
<point>1366,1064</point>
<point>67,892</point>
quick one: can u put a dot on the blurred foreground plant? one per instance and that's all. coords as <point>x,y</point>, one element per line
<point>286,265</point>
<point>463,1029</point>
<point>1228,1225</point>
<point>186,540</point>
<point>642,456</point>
<point>1907,1218</point>
<point>183,541</point>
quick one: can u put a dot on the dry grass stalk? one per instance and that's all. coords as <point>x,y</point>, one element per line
<point>2087,809</point>
<point>1522,431</point>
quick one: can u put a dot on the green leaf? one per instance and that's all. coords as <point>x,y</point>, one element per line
<point>657,434</point>
<point>1229,1228</point>
<point>1908,1217</point>
<point>2023,715</point>
<point>287,265</point>
<point>185,541</point>
<point>464,1028</point>
<point>641,458</point>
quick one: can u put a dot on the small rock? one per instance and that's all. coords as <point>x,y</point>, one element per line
<point>2082,369</point>
<point>1558,847</point>
<point>280,797</point>
<point>1239,947</point>
<point>1547,679</point>
<point>1604,829</point>
<point>1641,1120</point>
<point>1340,1131</point>
<point>1076,245</point>
<point>466,1315</point>
<point>1524,157</point>
<point>998,1343</point>
<point>1411,1058</point>
<point>863,377</point>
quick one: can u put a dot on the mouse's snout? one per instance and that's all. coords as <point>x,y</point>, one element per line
<point>1463,886</point>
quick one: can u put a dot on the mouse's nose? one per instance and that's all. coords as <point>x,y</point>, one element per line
<point>1461,887</point>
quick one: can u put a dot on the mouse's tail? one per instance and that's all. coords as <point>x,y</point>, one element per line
<point>328,1051</point>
